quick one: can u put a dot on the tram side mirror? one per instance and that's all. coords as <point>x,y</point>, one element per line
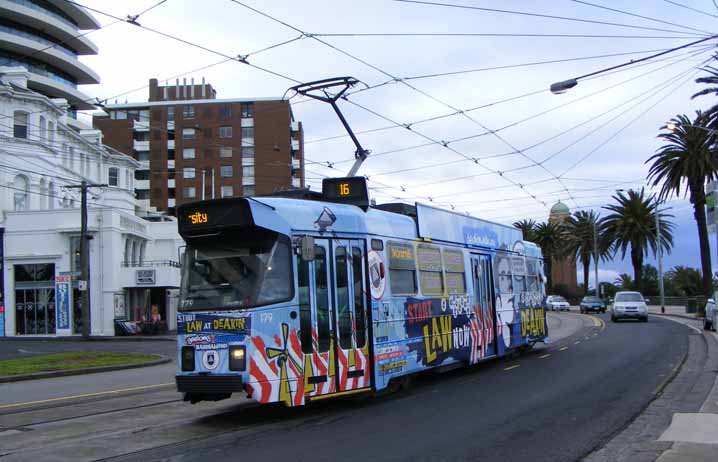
<point>307,250</point>
<point>181,254</point>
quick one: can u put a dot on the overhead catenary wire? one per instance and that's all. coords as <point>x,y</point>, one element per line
<point>696,10</point>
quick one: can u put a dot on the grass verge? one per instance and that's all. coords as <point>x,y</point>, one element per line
<point>70,360</point>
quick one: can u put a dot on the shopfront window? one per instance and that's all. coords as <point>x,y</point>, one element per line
<point>34,299</point>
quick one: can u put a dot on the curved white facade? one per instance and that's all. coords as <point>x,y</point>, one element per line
<point>43,37</point>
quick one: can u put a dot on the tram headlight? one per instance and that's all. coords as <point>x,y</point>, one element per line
<point>187,358</point>
<point>237,358</point>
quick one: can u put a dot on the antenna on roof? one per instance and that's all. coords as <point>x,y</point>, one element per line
<point>306,89</point>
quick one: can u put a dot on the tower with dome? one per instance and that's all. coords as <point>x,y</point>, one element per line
<point>563,270</point>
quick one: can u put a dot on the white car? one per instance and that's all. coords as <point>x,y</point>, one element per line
<point>556,303</point>
<point>710,322</point>
<point>629,305</point>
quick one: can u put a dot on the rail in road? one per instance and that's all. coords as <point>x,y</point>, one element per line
<point>515,408</point>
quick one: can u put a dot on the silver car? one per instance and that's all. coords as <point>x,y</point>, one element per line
<point>710,322</point>
<point>556,303</point>
<point>629,305</point>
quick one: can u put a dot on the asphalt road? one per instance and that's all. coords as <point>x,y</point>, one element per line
<point>555,404</point>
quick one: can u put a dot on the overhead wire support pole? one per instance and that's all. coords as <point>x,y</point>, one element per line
<point>84,257</point>
<point>306,89</point>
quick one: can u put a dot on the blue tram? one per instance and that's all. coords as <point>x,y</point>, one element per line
<point>294,300</point>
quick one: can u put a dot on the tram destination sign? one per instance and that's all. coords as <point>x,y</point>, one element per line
<point>349,190</point>
<point>200,217</point>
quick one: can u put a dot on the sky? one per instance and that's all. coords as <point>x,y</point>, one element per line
<point>453,102</point>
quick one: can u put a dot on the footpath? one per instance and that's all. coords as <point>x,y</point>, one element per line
<point>681,423</point>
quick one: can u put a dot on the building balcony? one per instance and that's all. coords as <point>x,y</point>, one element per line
<point>171,163</point>
<point>171,202</point>
<point>144,165</point>
<point>150,273</point>
<point>170,125</point>
<point>170,144</point>
<point>142,185</point>
<point>297,182</point>
<point>247,122</point>
<point>295,145</point>
<point>294,127</point>
<point>141,145</point>
<point>248,141</point>
<point>171,183</point>
<point>296,164</point>
<point>141,125</point>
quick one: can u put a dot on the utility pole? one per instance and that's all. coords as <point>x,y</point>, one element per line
<point>660,261</point>
<point>595,256</point>
<point>84,282</point>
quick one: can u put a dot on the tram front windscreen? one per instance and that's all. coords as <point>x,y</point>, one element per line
<point>238,273</point>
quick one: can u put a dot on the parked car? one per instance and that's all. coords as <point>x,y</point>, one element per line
<point>627,305</point>
<point>591,303</point>
<point>556,303</point>
<point>710,321</point>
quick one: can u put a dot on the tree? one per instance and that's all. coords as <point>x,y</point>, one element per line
<point>549,237</point>
<point>686,162</point>
<point>528,229</point>
<point>685,281</point>
<point>579,232</point>
<point>649,276</point>
<point>632,223</point>
<point>624,281</point>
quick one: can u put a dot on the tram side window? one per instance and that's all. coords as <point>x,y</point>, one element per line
<point>518,267</point>
<point>322,293</point>
<point>359,311</point>
<point>345,321</point>
<point>454,269</point>
<point>502,275</point>
<point>431,276</point>
<point>402,268</point>
<point>532,276</point>
<point>305,311</point>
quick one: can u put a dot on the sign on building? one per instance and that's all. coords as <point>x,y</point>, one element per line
<point>711,215</point>
<point>63,292</point>
<point>145,277</point>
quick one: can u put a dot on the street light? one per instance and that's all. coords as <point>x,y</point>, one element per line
<point>563,86</point>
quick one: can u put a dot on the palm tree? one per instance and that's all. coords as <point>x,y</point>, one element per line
<point>688,159</point>
<point>579,233</point>
<point>624,281</point>
<point>632,222</point>
<point>685,280</point>
<point>711,79</point>
<point>527,228</point>
<point>549,236</point>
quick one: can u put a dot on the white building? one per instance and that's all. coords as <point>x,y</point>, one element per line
<point>134,270</point>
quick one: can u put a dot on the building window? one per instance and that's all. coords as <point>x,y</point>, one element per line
<point>225,132</point>
<point>51,132</point>
<point>170,154</point>
<point>43,128</point>
<point>190,192</point>
<point>170,174</point>
<point>19,127</point>
<point>171,193</point>
<point>22,192</point>
<point>225,151</point>
<point>247,152</point>
<point>248,191</point>
<point>170,114</point>
<point>113,174</point>
<point>188,153</point>
<point>247,171</point>
<point>225,171</point>
<point>170,135</point>
<point>141,136</point>
<point>248,134</point>
<point>227,191</point>
<point>188,133</point>
<point>188,173</point>
<point>225,111</point>
<point>142,174</point>
<point>247,110</point>
<point>188,111</point>
<point>35,300</point>
<point>143,155</point>
<point>143,194</point>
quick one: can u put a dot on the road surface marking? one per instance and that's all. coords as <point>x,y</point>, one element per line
<point>545,356</point>
<point>563,348</point>
<point>576,342</point>
<point>86,395</point>
<point>511,367</point>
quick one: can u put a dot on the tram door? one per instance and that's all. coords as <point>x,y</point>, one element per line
<point>483,288</point>
<point>350,314</point>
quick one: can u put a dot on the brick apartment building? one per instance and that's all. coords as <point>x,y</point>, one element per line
<point>193,146</point>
